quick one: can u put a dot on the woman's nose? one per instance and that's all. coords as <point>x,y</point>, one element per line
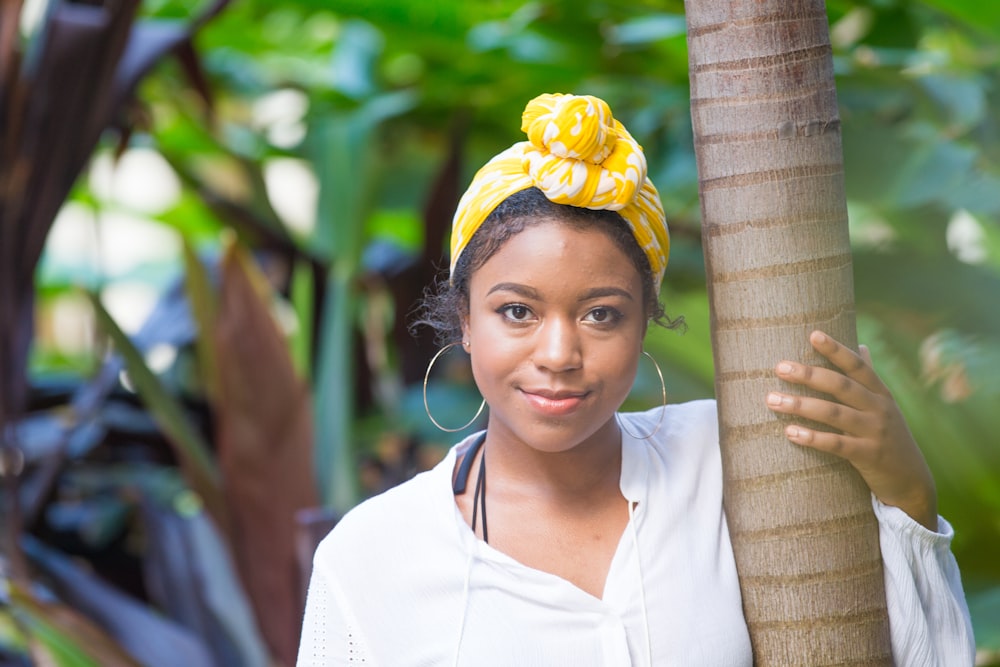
<point>557,347</point>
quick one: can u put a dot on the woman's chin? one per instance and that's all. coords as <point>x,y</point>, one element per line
<point>550,434</point>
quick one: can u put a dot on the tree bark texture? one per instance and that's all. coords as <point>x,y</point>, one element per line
<point>775,234</point>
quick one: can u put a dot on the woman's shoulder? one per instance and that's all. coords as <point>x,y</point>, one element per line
<point>702,409</point>
<point>395,559</point>
<point>681,462</point>
<point>406,514</point>
<point>676,421</point>
<point>685,433</point>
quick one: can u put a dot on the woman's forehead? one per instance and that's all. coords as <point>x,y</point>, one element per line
<point>553,253</point>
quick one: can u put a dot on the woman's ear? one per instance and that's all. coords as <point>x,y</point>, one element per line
<point>466,341</point>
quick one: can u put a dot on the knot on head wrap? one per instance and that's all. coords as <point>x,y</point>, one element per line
<point>577,154</point>
<point>586,136</point>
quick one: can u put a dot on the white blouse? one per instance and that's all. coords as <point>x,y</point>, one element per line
<point>402,580</point>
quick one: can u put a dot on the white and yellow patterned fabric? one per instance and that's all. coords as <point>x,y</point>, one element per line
<point>577,154</point>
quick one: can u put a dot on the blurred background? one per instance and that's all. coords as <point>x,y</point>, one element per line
<point>216,219</point>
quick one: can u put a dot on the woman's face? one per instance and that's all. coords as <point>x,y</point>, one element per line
<point>555,328</point>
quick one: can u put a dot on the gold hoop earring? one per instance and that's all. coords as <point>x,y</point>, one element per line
<point>427,408</point>
<point>663,407</point>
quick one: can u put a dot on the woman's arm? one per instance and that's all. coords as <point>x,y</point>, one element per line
<point>929,620</point>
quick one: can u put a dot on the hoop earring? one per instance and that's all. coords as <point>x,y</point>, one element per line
<point>663,407</point>
<point>427,407</point>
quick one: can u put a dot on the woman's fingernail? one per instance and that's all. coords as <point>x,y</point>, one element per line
<point>773,399</point>
<point>792,431</point>
<point>784,367</point>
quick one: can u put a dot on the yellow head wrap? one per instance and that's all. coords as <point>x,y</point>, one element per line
<point>576,154</point>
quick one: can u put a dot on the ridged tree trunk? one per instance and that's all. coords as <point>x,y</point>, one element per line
<point>774,227</point>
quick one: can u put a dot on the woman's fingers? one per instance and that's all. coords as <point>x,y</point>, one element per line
<point>841,387</point>
<point>856,366</point>
<point>836,415</point>
<point>866,425</point>
<point>856,384</point>
<point>858,406</point>
<point>866,354</point>
<point>833,443</point>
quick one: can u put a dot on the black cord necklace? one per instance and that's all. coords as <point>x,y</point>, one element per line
<point>479,498</point>
<point>462,481</point>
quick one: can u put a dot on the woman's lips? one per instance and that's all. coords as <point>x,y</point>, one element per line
<point>554,403</point>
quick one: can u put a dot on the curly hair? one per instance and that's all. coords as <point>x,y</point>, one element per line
<point>447,300</point>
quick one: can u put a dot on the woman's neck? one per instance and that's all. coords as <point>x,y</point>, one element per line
<point>587,473</point>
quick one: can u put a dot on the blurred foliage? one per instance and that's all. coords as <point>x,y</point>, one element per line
<point>331,143</point>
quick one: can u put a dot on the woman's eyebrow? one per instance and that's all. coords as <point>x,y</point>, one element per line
<point>599,292</point>
<point>516,288</point>
<point>532,293</point>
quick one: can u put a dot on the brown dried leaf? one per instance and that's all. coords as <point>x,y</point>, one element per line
<point>265,444</point>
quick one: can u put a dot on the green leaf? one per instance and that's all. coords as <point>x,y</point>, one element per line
<point>962,98</point>
<point>190,447</point>
<point>303,303</point>
<point>404,228</point>
<point>645,29</point>
<point>334,398</point>
<point>344,150</point>
<point>345,160</point>
<point>63,636</point>
<point>12,639</point>
<point>684,356</point>
<point>59,648</point>
<point>978,15</point>
<point>355,57</point>
<point>931,172</point>
<point>204,306</point>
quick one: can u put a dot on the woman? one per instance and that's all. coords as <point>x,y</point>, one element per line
<point>569,534</point>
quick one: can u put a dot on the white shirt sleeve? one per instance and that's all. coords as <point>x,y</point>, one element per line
<point>329,637</point>
<point>928,617</point>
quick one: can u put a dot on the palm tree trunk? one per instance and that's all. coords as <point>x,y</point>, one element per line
<point>774,228</point>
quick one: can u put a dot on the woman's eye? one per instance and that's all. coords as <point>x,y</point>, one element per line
<point>603,315</point>
<point>516,312</point>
